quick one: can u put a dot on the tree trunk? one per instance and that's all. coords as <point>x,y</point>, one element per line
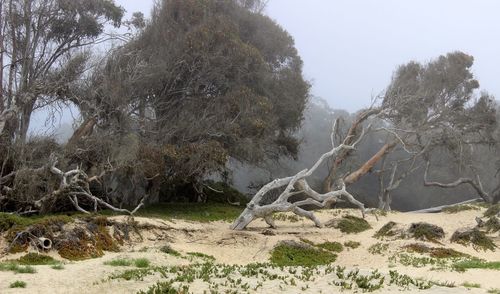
<point>368,165</point>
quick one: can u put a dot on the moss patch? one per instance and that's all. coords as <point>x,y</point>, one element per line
<point>296,254</point>
<point>352,225</point>
<point>473,237</point>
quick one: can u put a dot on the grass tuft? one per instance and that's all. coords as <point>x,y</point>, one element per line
<point>36,259</point>
<point>168,250</point>
<point>470,285</point>
<point>352,244</point>
<point>18,284</point>
<point>476,264</point>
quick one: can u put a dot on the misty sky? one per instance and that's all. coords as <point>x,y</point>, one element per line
<point>351,47</point>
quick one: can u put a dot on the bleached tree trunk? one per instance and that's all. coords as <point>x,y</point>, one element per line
<point>296,184</point>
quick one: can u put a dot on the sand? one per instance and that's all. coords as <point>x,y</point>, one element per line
<point>241,248</point>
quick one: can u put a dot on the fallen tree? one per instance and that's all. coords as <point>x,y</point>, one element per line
<point>295,185</point>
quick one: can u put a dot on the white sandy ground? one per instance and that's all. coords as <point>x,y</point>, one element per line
<point>241,248</point>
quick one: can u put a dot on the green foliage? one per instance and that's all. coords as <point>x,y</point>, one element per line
<point>476,264</point>
<point>386,230</point>
<point>378,248</point>
<point>58,266</point>
<point>459,208</point>
<point>14,267</point>
<point>492,210</point>
<point>473,237</point>
<point>119,262</point>
<point>18,284</point>
<point>352,244</point>
<point>286,254</point>
<point>12,221</point>
<point>36,259</point>
<point>168,250</point>
<point>426,232</point>
<point>165,288</point>
<point>470,285</point>
<point>199,212</point>
<point>141,262</point>
<point>494,291</point>
<point>224,194</point>
<point>351,224</point>
<point>331,246</point>
<point>405,281</point>
<point>201,255</point>
<point>435,252</point>
<point>492,225</point>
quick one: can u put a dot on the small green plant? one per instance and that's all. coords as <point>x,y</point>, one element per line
<point>378,248</point>
<point>58,266</point>
<point>201,255</point>
<point>352,244</point>
<point>141,263</point>
<point>494,291</point>
<point>331,246</point>
<point>119,262</point>
<point>351,224</point>
<point>18,284</point>
<point>291,254</point>
<point>492,225</point>
<point>168,250</point>
<point>470,285</point>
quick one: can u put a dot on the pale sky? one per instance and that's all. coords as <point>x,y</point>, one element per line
<point>351,47</point>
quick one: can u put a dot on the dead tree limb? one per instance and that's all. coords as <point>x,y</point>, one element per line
<point>475,184</point>
<point>294,185</point>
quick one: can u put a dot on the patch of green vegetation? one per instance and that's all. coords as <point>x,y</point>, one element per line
<point>351,224</point>
<point>417,261</point>
<point>426,232</point>
<point>36,259</point>
<point>476,264</point>
<point>8,221</point>
<point>405,281</point>
<point>492,210</point>
<point>200,212</point>
<point>470,285</point>
<point>386,230</point>
<point>435,252</point>
<point>289,254</point>
<point>141,262</point>
<point>166,288</point>
<point>331,246</point>
<point>352,244</point>
<point>229,194</point>
<point>18,284</point>
<point>492,225</point>
<point>119,262</point>
<point>201,255</point>
<point>378,248</point>
<point>473,237</point>
<point>459,208</point>
<point>132,274</point>
<point>169,250</point>
<point>494,291</point>
<point>14,267</point>
<point>58,266</point>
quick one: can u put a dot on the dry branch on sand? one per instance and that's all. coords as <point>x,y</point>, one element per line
<point>295,185</point>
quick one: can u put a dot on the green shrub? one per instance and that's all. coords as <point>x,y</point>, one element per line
<point>386,230</point>
<point>492,210</point>
<point>36,259</point>
<point>141,263</point>
<point>295,254</point>
<point>426,232</point>
<point>352,244</point>
<point>473,237</point>
<point>168,250</point>
<point>351,224</point>
<point>331,246</point>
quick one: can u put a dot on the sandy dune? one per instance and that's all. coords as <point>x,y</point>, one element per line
<point>241,248</point>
